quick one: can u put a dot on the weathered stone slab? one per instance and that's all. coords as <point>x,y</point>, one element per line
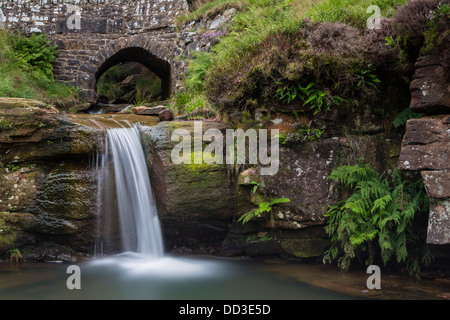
<point>426,144</point>
<point>439,222</point>
<point>430,92</point>
<point>437,183</point>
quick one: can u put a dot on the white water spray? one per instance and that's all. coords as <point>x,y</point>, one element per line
<point>139,223</point>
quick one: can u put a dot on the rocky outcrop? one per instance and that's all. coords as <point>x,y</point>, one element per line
<point>426,143</point>
<point>200,203</point>
<point>47,192</point>
<point>196,201</point>
<point>426,148</point>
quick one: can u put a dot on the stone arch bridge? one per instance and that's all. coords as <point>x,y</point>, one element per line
<point>94,35</point>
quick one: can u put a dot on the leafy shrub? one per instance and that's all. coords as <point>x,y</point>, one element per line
<point>410,24</point>
<point>378,211</point>
<point>438,23</point>
<point>269,51</point>
<point>263,207</point>
<point>35,52</point>
<point>404,115</point>
<point>301,135</point>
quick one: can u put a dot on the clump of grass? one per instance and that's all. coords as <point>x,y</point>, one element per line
<point>352,12</point>
<point>15,255</point>
<point>207,8</point>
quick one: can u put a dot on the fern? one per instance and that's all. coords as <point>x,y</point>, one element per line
<point>263,207</point>
<point>378,212</point>
<point>35,53</point>
<point>404,115</point>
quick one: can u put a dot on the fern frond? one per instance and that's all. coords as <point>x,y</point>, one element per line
<point>279,200</point>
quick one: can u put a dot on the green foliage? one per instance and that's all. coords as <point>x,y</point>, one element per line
<point>198,67</point>
<point>431,35</point>
<point>367,78</point>
<point>187,101</point>
<point>404,115</point>
<point>15,255</point>
<point>5,124</point>
<point>317,100</point>
<point>35,52</point>
<point>26,72</point>
<point>300,135</point>
<point>266,52</point>
<point>377,209</point>
<point>192,96</point>
<point>263,207</point>
<point>140,100</point>
<point>12,168</point>
<point>352,12</point>
<point>149,88</point>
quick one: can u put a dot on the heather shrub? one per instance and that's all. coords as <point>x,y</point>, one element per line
<point>410,25</point>
<point>327,55</point>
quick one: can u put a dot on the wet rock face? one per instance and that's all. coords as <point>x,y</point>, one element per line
<point>48,193</point>
<point>66,204</point>
<point>196,201</point>
<point>426,143</point>
<point>200,204</point>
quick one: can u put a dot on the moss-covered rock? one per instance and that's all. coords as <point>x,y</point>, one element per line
<point>305,248</point>
<point>196,195</point>
<point>65,198</point>
<point>13,230</point>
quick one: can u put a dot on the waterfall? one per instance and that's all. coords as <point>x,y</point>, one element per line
<point>126,172</point>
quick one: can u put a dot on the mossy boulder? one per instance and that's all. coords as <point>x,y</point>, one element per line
<point>196,200</point>
<point>14,230</point>
<point>305,248</point>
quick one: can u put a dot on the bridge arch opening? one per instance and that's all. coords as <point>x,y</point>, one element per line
<point>147,71</point>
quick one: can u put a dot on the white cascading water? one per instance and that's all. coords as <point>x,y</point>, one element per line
<point>124,187</point>
<point>139,223</point>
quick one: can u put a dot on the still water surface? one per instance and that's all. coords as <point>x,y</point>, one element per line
<point>132,276</point>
